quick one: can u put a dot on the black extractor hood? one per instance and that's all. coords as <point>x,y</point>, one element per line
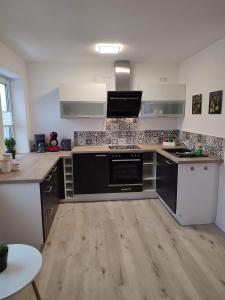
<point>123,103</point>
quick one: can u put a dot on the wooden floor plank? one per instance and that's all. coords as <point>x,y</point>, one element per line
<point>129,250</point>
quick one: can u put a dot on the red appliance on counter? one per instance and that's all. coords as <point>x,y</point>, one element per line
<point>53,143</point>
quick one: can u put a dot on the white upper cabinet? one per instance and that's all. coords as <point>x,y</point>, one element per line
<point>164,92</point>
<point>83,92</point>
<point>83,100</point>
<point>163,100</point>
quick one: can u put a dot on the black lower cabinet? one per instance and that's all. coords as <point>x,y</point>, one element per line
<point>52,190</point>
<point>91,173</point>
<point>166,181</point>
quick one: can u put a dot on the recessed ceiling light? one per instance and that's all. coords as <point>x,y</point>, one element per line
<point>109,48</point>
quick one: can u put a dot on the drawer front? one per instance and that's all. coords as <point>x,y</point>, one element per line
<point>54,173</point>
<point>52,178</point>
<point>125,188</point>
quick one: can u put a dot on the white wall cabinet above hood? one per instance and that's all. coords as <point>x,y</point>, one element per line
<point>83,100</point>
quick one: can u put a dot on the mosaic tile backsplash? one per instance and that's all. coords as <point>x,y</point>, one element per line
<point>126,131</point>
<point>121,131</point>
<point>211,144</point>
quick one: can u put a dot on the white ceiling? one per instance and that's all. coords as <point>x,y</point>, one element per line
<point>151,30</point>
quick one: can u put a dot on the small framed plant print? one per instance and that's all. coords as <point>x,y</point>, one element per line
<point>215,102</point>
<point>197,104</point>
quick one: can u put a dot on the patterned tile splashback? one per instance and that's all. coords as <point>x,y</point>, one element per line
<point>121,131</point>
<point>126,131</point>
<point>211,144</point>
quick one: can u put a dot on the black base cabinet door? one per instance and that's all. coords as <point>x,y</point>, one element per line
<point>52,190</point>
<point>166,181</point>
<point>91,173</point>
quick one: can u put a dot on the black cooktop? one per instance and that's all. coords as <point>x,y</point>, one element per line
<point>124,147</point>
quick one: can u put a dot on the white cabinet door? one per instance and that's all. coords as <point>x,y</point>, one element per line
<point>162,109</point>
<point>83,92</point>
<point>164,92</point>
<point>79,109</point>
<point>197,193</point>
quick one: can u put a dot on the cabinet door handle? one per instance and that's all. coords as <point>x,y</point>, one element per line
<point>48,178</point>
<point>50,211</point>
<point>49,190</point>
<point>192,168</point>
<point>205,168</point>
<point>168,162</point>
<point>126,189</point>
<point>100,155</point>
<point>125,160</point>
<point>54,169</point>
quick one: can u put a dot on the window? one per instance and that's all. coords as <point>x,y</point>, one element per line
<point>6,107</point>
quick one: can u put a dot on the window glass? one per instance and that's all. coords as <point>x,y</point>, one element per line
<point>6,108</point>
<point>3,97</point>
<point>7,132</point>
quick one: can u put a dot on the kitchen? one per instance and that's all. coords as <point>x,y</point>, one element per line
<point>131,131</point>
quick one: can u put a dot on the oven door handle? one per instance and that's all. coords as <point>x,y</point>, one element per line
<point>124,160</point>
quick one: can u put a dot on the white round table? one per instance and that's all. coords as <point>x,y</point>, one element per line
<point>24,263</point>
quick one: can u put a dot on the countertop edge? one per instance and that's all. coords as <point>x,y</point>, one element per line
<point>104,149</point>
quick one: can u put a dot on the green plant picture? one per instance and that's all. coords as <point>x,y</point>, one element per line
<point>197,104</point>
<point>215,102</point>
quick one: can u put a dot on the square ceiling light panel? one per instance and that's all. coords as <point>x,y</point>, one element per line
<point>109,48</point>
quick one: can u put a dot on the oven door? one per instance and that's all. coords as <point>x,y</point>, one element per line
<point>126,171</point>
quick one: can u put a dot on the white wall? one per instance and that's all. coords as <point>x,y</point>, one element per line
<point>203,73</point>
<point>14,67</point>
<point>44,79</point>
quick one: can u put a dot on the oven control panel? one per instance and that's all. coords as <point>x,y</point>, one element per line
<point>126,155</point>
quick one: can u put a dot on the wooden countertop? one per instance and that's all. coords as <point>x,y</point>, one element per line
<point>188,160</point>
<point>90,149</point>
<point>149,148</point>
<point>35,166</point>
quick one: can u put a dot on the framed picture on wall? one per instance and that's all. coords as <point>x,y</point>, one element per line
<point>197,104</point>
<point>215,102</point>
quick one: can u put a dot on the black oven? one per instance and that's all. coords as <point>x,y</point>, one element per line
<point>126,172</point>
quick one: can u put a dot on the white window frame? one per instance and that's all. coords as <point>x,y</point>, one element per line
<point>6,82</point>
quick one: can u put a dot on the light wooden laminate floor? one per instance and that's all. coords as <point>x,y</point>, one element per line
<point>129,250</point>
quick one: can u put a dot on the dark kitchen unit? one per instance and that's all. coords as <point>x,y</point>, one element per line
<point>126,172</point>
<point>166,181</point>
<point>52,190</point>
<point>91,173</point>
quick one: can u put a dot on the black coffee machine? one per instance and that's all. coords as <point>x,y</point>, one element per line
<point>66,144</point>
<point>39,143</point>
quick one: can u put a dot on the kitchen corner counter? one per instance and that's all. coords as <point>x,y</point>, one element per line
<point>33,167</point>
<point>188,160</point>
